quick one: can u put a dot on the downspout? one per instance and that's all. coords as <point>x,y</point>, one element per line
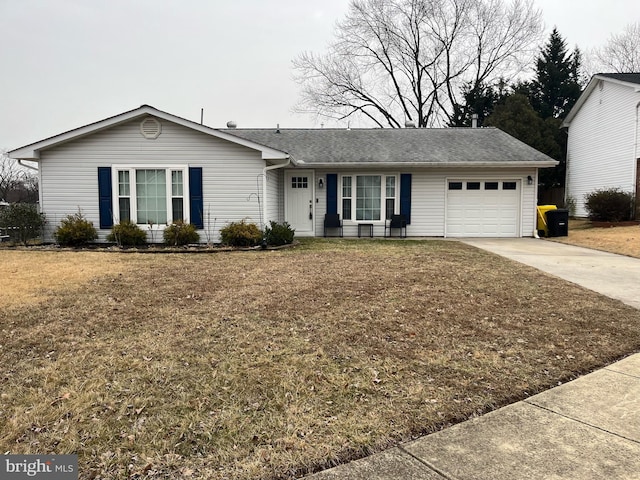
<point>535,196</point>
<point>30,167</point>
<point>27,166</point>
<point>635,161</point>
<point>264,184</point>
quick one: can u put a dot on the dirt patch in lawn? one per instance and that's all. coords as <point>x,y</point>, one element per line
<point>29,276</point>
<point>266,365</point>
<point>622,240</point>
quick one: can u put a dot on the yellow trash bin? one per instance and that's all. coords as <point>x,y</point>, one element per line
<point>543,229</point>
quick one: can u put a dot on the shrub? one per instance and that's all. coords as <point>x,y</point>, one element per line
<point>570,204</point>
<point>278,233</point>
<point>609,205</point>
<point>127,233</point>
<point>180,233</point>
<point>75,230</point>
<point>241,234</point>
<point>22,221</point>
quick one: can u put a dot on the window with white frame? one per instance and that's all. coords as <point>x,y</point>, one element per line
<point>374,197</point>
<point>124,195</point>
<point>150,195</point>
<point>346,198</point>
<point>390,197</point>
<point>177,195</point>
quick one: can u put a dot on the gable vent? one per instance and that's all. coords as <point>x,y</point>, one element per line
<point>150,128</point>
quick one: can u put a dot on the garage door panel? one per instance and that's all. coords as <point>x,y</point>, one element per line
<point>485,212</point>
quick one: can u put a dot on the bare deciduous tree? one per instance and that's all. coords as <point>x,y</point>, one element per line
<point>621,54</point>
<point>10,174</point>
<point>399,60</point>
<point>16,184</point>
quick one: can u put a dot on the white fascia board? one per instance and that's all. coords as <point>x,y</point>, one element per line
<point>617,81</point>
<point>587,91</point>
<point>581,99</point>
<point>267,152</point>
<point>32,151</point>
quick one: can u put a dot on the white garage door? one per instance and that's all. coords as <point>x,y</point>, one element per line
<point>483,208</point>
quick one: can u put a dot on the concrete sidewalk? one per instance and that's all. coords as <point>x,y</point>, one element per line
<point>586,429</point>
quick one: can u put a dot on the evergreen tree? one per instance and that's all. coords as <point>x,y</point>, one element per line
<point>556,86</point>
<point>533,110</point>
<point>516,116</point>
<point>480,99</point>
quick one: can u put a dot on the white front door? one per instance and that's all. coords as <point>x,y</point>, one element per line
<point>298,209</point>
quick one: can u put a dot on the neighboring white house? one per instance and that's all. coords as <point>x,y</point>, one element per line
<point>604,130</point>
<point>153,167</point>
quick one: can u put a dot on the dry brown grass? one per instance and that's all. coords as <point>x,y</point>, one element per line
<point>272,364</point>
<point>622,240</point>
<point>28,276</point>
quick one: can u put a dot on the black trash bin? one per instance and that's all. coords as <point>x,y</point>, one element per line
<point>558,222</point>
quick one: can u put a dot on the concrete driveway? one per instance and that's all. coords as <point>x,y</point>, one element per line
<point>615,276</point>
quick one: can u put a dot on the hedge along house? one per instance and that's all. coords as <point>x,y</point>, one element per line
<point>154,168</point>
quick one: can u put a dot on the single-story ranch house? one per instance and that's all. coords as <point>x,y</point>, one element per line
<point>152,167</point>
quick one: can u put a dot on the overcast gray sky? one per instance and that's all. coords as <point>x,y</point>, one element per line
<point>66,63</point>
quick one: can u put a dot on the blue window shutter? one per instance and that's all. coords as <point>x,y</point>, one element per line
<point>405,196</point>
<point>332,193</point>
<point>195,196</point>
<point>104,197</point>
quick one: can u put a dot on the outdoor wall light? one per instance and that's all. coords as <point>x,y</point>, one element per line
<point>529,180</point>
<point>320,183</point>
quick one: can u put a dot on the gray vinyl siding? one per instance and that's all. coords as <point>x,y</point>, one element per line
<point>428,199</point>
<point>601,143</point>
<point>69,180</point>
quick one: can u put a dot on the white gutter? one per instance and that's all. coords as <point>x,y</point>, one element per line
<point>264,185</point>
<point>30,167</point>
<point>27,166</point>
<point>396,165</point>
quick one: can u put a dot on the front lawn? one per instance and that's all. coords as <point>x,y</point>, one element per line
<point>622,240</point>
<point>251,365</point>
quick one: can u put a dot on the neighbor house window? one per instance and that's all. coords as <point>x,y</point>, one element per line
<point>151,195</point>
<point>374,197</point>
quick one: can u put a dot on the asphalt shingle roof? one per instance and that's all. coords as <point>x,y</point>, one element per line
<point>437,146</point>
<point>623,77</point>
